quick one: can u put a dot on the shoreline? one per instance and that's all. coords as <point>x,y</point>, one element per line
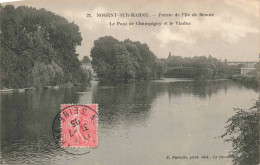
<point>244,80</point>
<point>8,90</point>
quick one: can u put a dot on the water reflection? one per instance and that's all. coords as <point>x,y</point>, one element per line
<point>124,104</point>
<point>27,118</point>
<point>26,124</point>
<point>130,103</point>
<point>201,89</point>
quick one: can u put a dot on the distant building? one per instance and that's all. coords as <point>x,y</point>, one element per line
<point>244,71</point>
<point>247,66</point>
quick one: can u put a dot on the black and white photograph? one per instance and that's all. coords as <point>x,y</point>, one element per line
<point>129,82</point>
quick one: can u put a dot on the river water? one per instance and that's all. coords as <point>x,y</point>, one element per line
<point>139,123</point>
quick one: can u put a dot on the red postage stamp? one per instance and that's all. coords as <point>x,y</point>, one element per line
<point>79,125</point>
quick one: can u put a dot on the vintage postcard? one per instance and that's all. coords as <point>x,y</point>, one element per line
<point>129,82</point>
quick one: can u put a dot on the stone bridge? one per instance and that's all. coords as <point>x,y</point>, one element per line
<point>246,64</point>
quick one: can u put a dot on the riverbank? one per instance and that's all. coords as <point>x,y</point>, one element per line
<point>66,85</point>
<point>246,80</point>
<point>7,90</point>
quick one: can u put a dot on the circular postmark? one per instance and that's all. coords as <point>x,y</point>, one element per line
<point>74,128</point>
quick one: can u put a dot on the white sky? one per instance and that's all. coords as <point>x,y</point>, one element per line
<point>232,33</point>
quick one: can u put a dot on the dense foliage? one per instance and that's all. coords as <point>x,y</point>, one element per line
<point>85,59</point>
<point>113,60</point>
<point>38,48</point>
<point>198,67</point>
<point>243,132</point>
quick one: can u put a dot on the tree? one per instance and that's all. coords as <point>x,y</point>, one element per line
<point>113,60</point>
<point>243,132</point>
<point>29,37</point>
<point>123,64</point>
<point>1,7</point>
<point>102,55</point>
<point>46,75</point>
<point>160,68</point>
<point>85,59</point>
<point>201,67</point>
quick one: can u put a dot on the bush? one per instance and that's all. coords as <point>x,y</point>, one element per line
<point>46,75</point>
<point>243,132</point>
